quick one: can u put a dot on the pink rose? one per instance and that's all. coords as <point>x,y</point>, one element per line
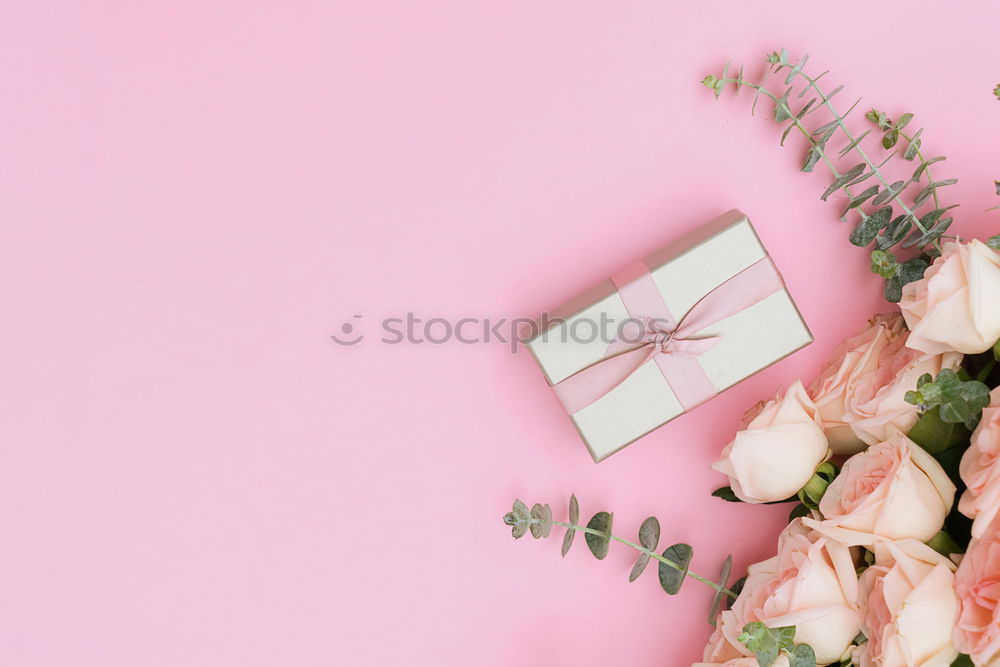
<point>855,357</point>
<point>894,490</point>
<point>907,607</point>
<point>980,469</point>
<point>719,649</point>
<point>956,305</point>
<point>777,452</point>
<point>977,584</point>
<point>810,584</point>
<point>876,398</point>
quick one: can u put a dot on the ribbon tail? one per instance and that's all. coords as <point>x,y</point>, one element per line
<point>748,287</point>
<point>601,378</point>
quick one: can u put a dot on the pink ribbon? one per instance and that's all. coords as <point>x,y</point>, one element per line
<point>672,344</point>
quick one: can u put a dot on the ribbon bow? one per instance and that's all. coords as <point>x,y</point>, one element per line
<point>674,346</point>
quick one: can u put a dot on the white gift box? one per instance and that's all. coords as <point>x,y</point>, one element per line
<point>590,334</point>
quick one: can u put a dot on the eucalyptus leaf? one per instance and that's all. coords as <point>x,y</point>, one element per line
<point>843,180</point>
<point>574,510</point>
<point>649,533</point>
<point>923,167</point>
<point>994,242</point>
<point>893,291</point>
<point>864,233</point>
<point>598,544</point>
<point>671,578</point>
<point>639,567</point>
<point>854,143</point>
<point>963,660</point>
<point>713,610</point>
<point>802,656</point>
<point>903,121</point>
<point>890,138</point>
<point>863,197</point>
<point>889,193</point>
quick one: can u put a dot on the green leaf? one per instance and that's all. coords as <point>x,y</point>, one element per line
<point>944,544</point>
<point>895,232</point>
<point>866,230</point>
<point>727,494</point>
<point>649,533</point>
<point>883,264</point>
<point>639,567</point>
<point>781,109</point>
<point>784,636</point>
<point>903,121</point>
<point>934,434</point>
<point>671,578</point>
<point>574,518</point>
<point>863,197</point>
<point>713,610</point>
<point>541,524</point>
<point>994,242</point>
<point>843,180</point>
<point>799,510</point>
<point>812,157</point>
<point>761,642</point>
<point>802,656</point>
<point>889,193</point>
<point>598,544</point>
<point>912,270</point>
<point>963,660</point>
<point>854,143</point>
<point>519,518</point>
<point>649,537</point>
<point>890,138</point>
<point>893,291</point>
<point>923,167</point>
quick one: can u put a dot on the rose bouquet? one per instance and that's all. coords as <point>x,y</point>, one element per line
<point>890,457</point>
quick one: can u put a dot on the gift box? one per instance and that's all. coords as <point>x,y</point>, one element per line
<point>668,333</point>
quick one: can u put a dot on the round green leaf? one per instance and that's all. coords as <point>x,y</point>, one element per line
<point>802,656</point>
<point>672,578</point>
<point>598,544</point>
<point>649,533</point>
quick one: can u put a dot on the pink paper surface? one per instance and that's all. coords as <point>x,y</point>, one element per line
<point>194,196</point>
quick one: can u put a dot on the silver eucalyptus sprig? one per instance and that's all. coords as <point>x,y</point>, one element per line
<point>891,212</point>
<point>673,562</point>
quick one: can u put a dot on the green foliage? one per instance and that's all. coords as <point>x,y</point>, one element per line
<point>996,91</point>
<point>671,578</point>
<point>964,660</point>
<point>935,435</point>
<point>713,610</point>
<point>649,538</point>
<point>767,643</point>
<point>519,518</point>
<point>598,542</point>
<point>674,562</point>
<point>887,212</point>
<point>958,401</point>
<point>574,518</point>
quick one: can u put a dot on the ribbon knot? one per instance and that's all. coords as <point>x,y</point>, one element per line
<point>674,345</point>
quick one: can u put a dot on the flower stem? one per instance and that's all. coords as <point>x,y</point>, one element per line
<point>652,554</point>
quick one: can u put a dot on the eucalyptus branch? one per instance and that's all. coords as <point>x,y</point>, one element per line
<point>877,226</point>
<point>673,563</point>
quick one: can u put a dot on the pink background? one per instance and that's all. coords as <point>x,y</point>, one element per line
<point>194,196</point>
